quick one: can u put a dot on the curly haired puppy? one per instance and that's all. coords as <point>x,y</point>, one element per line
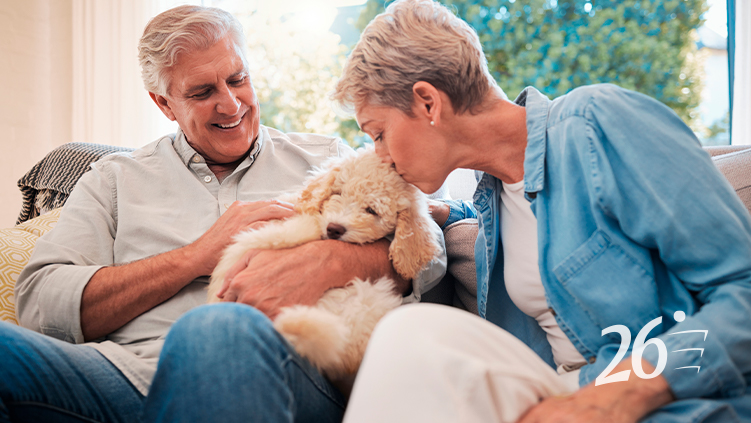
<point>357,199</point>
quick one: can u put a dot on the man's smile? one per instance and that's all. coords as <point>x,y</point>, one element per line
<point>229,125</point>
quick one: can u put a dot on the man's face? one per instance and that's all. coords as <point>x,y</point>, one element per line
<point>212,99</point>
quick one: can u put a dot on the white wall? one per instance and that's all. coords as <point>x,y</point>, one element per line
<point>69,73</point>
<point>110,104</point>
<point>35,82</point>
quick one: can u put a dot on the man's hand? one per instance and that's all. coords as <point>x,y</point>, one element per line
<point>620,402</point>
<point>116,295</point>
<point>240,216</point>
<point>271,279</point>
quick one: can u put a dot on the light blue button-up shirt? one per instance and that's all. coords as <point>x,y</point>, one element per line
<point>634,223</point>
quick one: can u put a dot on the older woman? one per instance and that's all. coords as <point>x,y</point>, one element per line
<point>601,221</point>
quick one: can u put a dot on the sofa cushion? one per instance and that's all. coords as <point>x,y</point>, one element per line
<point>736,166</point>
<point>16,245</point>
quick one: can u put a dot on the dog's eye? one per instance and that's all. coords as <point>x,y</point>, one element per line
<point>371,211</point>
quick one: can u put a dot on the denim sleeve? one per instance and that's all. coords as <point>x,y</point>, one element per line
<point>650,175</point>
<point>460,209</point>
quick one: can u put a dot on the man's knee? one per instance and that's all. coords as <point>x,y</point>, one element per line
<point>222,327</point>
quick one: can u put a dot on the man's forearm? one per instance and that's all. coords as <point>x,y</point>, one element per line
<point>365,261</point>
<point>272,279</point>
<point>116,295</point>
<point>374,262</point>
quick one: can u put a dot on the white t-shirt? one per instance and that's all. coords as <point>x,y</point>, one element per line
<point>522,273</point>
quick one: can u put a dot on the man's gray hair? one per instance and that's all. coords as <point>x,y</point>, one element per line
<point>178,30</point>
<point>415,40</point>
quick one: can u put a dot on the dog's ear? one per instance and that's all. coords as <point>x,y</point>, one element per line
<point>415,244</point>
<point>317,190</point>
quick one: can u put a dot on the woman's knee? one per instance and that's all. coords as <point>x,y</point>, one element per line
<point>417,320</point>
<point>405,325</point>
<point>423,327</point>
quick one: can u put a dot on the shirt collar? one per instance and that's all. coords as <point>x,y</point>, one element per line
<point>188,154</point>
<point>537,106</point>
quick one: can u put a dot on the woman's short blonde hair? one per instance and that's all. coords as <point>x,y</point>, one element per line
<point>415,40</point>
<point>178,30</point>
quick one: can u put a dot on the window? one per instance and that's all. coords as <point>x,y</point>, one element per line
<point>672,50</point>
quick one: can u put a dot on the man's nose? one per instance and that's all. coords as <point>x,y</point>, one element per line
<point>228,103</point>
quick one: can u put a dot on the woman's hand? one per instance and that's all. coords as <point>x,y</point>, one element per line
<point>439,211</point>
<point>620,402</point>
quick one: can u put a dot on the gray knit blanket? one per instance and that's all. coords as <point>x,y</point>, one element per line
<point>49,183</point>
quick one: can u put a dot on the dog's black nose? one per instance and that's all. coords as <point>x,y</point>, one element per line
<point>335,230</point>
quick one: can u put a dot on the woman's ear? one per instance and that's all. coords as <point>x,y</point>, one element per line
<point>427,101</point>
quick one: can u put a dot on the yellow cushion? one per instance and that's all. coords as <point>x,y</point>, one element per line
<point>16,245</point>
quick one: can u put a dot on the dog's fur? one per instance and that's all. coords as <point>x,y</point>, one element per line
<point>357,199</point>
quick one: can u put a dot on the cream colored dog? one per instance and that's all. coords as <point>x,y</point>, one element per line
<point>357,199</point>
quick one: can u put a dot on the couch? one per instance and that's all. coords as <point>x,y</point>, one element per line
<point>46,187</point>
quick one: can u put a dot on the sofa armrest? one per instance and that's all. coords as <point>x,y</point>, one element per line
<point>459,286</point>
<point>735,165</point>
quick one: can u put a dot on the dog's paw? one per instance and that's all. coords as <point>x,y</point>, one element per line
<point>318,335</point>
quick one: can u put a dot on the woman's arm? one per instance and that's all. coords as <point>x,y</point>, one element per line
<point>623,402</point>
<point>446,212</point>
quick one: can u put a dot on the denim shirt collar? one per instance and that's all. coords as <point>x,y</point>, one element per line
<point>537,107</point>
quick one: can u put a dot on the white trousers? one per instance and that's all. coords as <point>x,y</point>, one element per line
<point>432,363</point>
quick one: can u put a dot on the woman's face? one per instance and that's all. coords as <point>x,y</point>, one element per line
<point>213,101</point>
<point>409,143</point>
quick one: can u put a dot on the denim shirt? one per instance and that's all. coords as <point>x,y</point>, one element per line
<point>634,223</point>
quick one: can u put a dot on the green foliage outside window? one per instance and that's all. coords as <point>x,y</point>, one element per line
<point>293,71</point>
<point>643,45</point>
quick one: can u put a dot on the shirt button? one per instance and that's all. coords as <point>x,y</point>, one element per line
<point>226,206</point>
<point>207,179</point>
<point>196,158</point>
<point>592,359</point>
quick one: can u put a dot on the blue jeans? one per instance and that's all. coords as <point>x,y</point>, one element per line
<point>43,379</point>
<point>225,362</point>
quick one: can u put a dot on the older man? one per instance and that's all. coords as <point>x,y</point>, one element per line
<point>137,237</point>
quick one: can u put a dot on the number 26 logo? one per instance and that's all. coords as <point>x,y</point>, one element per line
<point>640,344</point>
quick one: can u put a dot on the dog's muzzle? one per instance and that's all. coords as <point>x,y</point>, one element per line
<point>335,231</point>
